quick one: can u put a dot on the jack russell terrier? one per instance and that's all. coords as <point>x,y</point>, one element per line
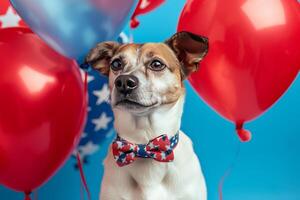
<point>151,159</point>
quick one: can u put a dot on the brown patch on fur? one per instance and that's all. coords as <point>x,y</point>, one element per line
<point>150,54</point>
<point>164,53</point>
<point>173,94</point>
<point>128,52</point>
<point>128,47</point>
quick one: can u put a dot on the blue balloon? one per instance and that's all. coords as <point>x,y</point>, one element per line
<point>73,27</point>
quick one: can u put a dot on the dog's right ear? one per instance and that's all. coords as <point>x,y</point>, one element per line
<point>99,57</point>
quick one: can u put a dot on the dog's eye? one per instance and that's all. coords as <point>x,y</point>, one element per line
<point>116,65</point>
<point>157,65</point>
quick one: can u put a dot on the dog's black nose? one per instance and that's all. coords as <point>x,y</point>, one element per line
<point>125,84</point>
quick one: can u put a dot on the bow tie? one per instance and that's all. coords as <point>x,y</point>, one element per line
<point>159,148</point>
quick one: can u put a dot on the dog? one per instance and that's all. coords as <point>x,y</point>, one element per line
<point>151,159</point>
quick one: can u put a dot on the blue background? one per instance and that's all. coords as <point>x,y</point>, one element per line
<point>268,167</point>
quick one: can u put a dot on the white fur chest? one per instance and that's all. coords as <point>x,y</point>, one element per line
<point>151,171</point>
<point>147,179</point>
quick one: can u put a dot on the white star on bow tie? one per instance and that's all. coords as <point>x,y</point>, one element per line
<point>120,145</point>
<point>151,145</point>
<point>163,156</point>
<point>131,148</point>
<point>123,160</point>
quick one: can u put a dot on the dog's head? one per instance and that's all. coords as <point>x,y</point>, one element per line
<point>143,77</point>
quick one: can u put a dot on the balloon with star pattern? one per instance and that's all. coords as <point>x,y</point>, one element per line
<point>100,117</point>
<point>8,16</point>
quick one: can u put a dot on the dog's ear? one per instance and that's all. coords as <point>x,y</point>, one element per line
<point>99,57</point>
<point>190,49</point>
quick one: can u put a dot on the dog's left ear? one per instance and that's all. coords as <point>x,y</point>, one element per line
<point>190,49</point>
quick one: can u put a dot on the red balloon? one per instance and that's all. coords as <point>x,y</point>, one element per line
<point>42,109</point>
<point>143,7</point>
<point>254,53</point>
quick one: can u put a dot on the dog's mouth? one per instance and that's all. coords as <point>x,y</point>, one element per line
<point>133,104</point>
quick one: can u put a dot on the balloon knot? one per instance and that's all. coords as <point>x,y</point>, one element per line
<point>134,23</point>
<point>27,195</point>
<point>244,135</point>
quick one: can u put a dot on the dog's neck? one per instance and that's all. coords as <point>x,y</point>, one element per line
<point>140,129</point>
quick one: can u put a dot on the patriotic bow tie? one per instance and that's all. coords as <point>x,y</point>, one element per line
<point>160,149</point>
